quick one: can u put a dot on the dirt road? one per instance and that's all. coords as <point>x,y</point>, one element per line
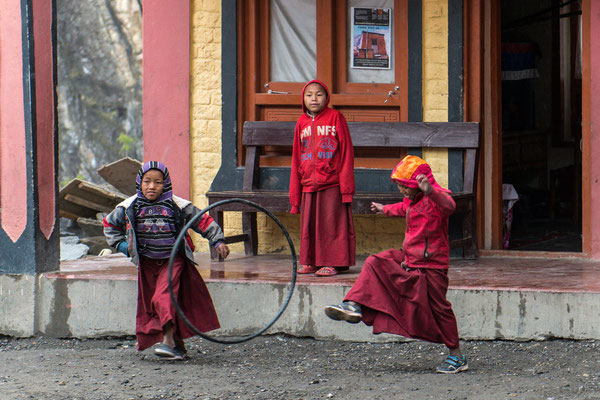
<point>282,367</point>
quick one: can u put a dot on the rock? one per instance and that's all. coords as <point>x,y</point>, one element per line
<point>71,249</point>
<point>90,227</point>
<point>96,244</point>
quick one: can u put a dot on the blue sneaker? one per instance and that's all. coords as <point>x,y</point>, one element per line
<point>453,364</point>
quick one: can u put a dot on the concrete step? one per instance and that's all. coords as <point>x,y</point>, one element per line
<point>492,297</point>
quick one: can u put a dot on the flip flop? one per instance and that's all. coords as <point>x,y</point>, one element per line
<point>326,271</point>
<point>180,346</point>
<point>307,269</point>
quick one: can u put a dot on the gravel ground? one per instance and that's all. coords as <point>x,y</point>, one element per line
<point>283,367</point>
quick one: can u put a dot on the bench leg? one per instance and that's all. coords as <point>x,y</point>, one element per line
<point>249,227</point>
<point>218,217</point>
<point>469,229</point>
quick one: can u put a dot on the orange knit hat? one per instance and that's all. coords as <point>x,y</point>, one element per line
<point>407,170</point>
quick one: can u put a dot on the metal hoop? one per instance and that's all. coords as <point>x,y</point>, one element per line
<point>180,239</point>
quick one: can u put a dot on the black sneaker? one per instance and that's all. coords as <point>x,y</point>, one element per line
<point>453,365</point>
<point>344,312</point>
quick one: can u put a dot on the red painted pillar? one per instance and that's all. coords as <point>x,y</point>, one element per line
<point>166,88</point>
<point>29,231</point>
<point>594,139</point>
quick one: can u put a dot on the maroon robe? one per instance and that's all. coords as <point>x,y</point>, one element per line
<point>327,230</point>
<point>405,301</point>
<point>154,306</point>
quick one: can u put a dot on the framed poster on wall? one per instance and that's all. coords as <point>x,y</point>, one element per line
<point>371,37</point>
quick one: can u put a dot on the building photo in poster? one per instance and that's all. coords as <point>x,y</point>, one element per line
<point>371,36</point>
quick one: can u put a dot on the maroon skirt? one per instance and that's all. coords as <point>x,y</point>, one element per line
<point>155,308</point>
<point>407,302</point>
<point>327,230</point>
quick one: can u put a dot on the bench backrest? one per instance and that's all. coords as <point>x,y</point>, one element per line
<point>374,134</point>
<point>452,135</point>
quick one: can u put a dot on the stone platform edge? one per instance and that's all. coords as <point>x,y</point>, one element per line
<point>92,308</point>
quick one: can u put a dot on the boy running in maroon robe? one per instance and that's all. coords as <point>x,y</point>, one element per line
<point>322,185</point>
<point>404,291</point>
<point>145,227</point>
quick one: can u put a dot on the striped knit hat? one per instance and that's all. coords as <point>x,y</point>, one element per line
<point>167,192</point>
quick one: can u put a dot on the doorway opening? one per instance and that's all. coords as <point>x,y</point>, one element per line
<point>541,125</point>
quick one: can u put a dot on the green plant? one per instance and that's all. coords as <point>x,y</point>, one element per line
<point>126,142</point>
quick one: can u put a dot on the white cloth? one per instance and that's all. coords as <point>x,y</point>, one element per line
<point>509,196</point>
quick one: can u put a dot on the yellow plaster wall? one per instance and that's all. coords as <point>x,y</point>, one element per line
<point>435,79</point>
<point>205,107</point>
<point>374,233</point>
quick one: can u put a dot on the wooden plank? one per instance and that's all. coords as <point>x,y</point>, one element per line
<point>373,100</point>
<point>87,204</point>
<point>250,229</point>
<point>251,170</point>
<point>325,43</point>
<point>234,239</point>
<point>98,191</point>
<point>470,165</point>
<point>272,99</point>
<point>375,134</point>
<point>121,174</point>
<point>415,134</point>
<point>66,214</point>
<point>86,199</point>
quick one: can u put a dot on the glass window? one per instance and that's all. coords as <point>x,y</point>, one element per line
<point>369,75</point>
<point>293,39</point>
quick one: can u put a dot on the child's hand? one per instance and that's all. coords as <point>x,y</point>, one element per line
<point>424,184</point>
<point>122,247</point>
<point>223,250</point>
<point>377,208</point>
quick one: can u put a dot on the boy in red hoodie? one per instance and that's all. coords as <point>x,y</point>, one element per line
<point>322,185</point>
<point>404,291</point>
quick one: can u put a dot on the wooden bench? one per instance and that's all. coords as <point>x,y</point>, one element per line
<point>452,135</point>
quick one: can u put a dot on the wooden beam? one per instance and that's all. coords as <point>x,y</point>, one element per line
<point>87,203</point>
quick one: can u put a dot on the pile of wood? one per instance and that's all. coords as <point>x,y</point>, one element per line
<point>87,203</point>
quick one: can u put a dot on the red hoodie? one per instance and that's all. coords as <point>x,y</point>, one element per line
<point>323,155</point>
<point>426,237</point>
